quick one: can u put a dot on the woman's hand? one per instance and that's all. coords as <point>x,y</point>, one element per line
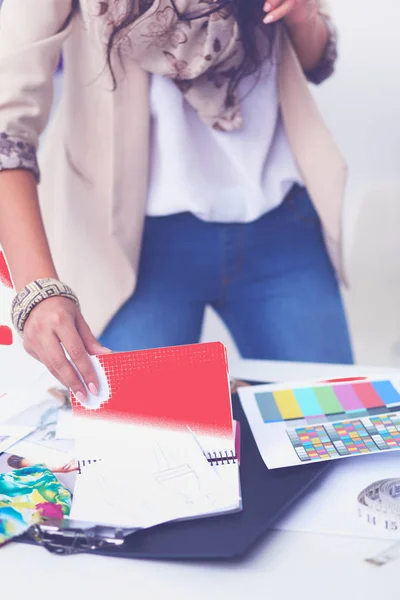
<point>57,321</point>
<point>292,11</point>
<point>306,27</point>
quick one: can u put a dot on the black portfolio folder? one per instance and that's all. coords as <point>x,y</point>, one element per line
<point>267,496</point>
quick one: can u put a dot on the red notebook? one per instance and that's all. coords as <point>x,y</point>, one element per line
<point>183,386</point>
<point>150,402</point>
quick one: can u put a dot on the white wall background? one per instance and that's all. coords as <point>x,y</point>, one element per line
<point>360,103</point>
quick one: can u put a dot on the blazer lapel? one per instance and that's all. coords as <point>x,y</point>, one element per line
<point>321,164</point>
<point>129,158</point>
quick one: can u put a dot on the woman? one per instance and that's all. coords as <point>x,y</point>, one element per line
<point>178,167</point>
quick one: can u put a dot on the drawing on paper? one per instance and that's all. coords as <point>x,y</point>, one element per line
<point>177,478</point>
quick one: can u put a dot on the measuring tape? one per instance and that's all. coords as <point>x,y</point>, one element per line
<point>379,504</point>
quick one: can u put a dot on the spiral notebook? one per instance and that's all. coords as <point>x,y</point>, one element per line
<point>225,462</point>
<point>162,434</point>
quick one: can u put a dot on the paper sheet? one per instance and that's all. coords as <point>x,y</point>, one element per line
<point>10,435</point>
<point>33,454</point>
<point>161,476</point>
<point>41,445</point>
<point>65,425</point>
<point>17,400</point>
<point>295,424</point>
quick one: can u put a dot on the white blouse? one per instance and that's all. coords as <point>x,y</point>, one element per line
<point>218,176</point>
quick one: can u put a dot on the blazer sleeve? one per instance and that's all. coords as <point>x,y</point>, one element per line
<point>31,36</point>
<point>326,66</point>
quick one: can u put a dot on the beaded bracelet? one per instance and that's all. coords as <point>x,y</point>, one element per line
<point>34,293</point>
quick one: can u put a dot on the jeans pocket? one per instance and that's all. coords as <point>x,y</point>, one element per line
<point>301,206</point>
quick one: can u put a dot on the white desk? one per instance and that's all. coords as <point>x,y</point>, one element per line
<point>270,370</point>
<point>287,565</point>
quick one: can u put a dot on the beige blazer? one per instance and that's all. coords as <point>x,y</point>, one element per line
<point>94,162</point>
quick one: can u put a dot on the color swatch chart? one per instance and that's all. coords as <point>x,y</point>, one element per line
<point>328,402</point>
<point>346,438</point>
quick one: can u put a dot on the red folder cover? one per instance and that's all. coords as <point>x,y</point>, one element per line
<point>175,387</point>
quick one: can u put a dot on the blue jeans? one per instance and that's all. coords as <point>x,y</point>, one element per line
<point>271,282</point>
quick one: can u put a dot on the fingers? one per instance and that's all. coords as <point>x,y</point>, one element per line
<point>272,4</point>
<point>277,9</point>
<point>56,327</point>
<point>39,355</point>
<point>54,358</point>
<point>70,338</point>
<point>31,352</point>
<point>91,344</point>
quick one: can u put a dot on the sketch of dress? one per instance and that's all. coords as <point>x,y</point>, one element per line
<point>175,476</point>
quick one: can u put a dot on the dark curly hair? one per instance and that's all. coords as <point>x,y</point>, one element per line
<point>15,462</point>
<point>249,14</point>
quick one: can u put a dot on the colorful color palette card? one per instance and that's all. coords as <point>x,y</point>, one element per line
<point>158,440</point>
<point>295,424</point>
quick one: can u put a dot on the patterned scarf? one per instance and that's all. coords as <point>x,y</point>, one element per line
<point>201,56</point>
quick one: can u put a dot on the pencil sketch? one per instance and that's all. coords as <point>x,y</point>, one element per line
<point>176,477</point>
<point>42,418</point>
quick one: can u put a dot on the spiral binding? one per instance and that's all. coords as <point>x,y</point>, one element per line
<point>220,458</point>
<point>83,463</point>
<point>225,457</point>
